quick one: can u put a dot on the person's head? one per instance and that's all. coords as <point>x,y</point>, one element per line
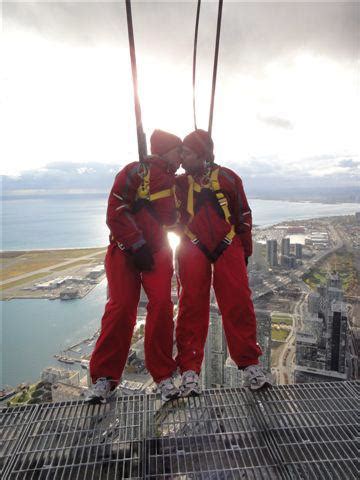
<point>198,150</point>
<point>168,147</point>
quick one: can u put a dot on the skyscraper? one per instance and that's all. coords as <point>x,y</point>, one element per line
<point>212,371</point>
<point>232,375</point>
<point>285,246</point>
<point>271,249</point>
<point>322,350</point>
<point>298,250</point>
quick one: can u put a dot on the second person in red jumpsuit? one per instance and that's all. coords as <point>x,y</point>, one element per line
<point>215,246</point>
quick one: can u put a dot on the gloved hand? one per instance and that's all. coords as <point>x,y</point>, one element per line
<point>246,261</point>
<point>143,259</point>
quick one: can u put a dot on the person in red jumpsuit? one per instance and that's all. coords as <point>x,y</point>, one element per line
<point>141,205</point>
<point>215,246</point>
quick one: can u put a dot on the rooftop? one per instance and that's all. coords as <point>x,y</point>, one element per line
<point>304,431</point>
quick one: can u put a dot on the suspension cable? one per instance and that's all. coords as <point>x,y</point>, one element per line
<point>217,42</point>
<point>194,58</point>
<point>141,138</point>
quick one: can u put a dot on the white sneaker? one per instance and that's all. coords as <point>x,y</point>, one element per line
<point>255,379</point>
<point>168,389</point>
<point>190,384</point>
<point>100,392</point>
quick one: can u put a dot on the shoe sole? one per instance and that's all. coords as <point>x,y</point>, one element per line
<point>100,400</point>
<point>191,393</point>
<point>95,401</point>
<point>173,397</point>
<point>264,386</point>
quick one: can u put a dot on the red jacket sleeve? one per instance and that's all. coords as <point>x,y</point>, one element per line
<point>239,208</point>
<point>119,217</point>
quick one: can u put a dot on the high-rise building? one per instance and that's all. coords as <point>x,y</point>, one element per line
<point>263,333</point>
<point>336,337</point>
<point>285,246</point>
<point>323,349</point>
<point>257,259</point>
<point>271,249</point>
<point>298,250</point>
<point>233,377</point>
<point>314,302</point>
<point>215,354</point>
<point>288,261</point>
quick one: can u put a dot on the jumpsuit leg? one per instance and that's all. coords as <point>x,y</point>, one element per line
<point>112,347</point>
<point>234,299</point>
<point>194,306</point>
<point>159,326</point>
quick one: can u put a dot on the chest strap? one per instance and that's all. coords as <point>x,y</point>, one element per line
<point>214,185</point>
<point>143,192</point>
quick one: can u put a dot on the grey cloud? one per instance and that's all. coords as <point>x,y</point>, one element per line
<point>349,163</point>
<point>252,33</point>
<point>64,176</point>
<point>277,122</point>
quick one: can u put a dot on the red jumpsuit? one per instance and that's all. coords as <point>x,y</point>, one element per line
<point>207,225</point>
<point>132,223</point>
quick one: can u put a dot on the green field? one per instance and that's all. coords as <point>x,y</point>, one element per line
<point>279,335</point>
<point>343,263</point>
<point>278,317</point>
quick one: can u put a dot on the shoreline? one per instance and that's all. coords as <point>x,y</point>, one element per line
<point>100,247</point>
<point>37,194</point>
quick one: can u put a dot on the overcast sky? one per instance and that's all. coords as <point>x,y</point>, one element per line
<point>287,101</point>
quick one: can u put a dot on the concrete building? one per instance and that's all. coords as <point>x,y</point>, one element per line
<point>288,261</point>
<point>63,392</point>
<point>298,250</point>
<point>54,375</point>
<point>314,302</point>
<point>323,349</point>
<point>336,337</point>
<point>258,259</point>
<point>271,251</point>
<point>215,354</point>
<point>233,377</point>
<point>263,333</point>
<point>285,246</point>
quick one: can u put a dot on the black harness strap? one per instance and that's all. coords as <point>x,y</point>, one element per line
<point>139,127</point>
<point>217,42</point>
<point>194,58</point>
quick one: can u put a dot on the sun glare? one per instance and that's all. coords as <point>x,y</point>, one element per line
<point>174,240</point>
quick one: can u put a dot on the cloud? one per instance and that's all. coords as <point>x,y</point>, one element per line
<point>276,122</point>
<point>349,163</point>
<point>64,176</point>
<point>252,32</point>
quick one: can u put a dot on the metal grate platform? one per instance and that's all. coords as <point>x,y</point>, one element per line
<point>297,432</point>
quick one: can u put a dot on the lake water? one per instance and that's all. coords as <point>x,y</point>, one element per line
<point>33,330</point>
<point>79,220</point>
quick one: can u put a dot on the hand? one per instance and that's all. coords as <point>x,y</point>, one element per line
<point>143,259</point>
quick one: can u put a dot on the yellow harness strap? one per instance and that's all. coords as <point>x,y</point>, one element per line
<point>143,192</point>
<point>215,187</point>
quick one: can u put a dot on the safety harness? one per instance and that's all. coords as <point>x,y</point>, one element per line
<point>144,198</point>
<point>214,185</point>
